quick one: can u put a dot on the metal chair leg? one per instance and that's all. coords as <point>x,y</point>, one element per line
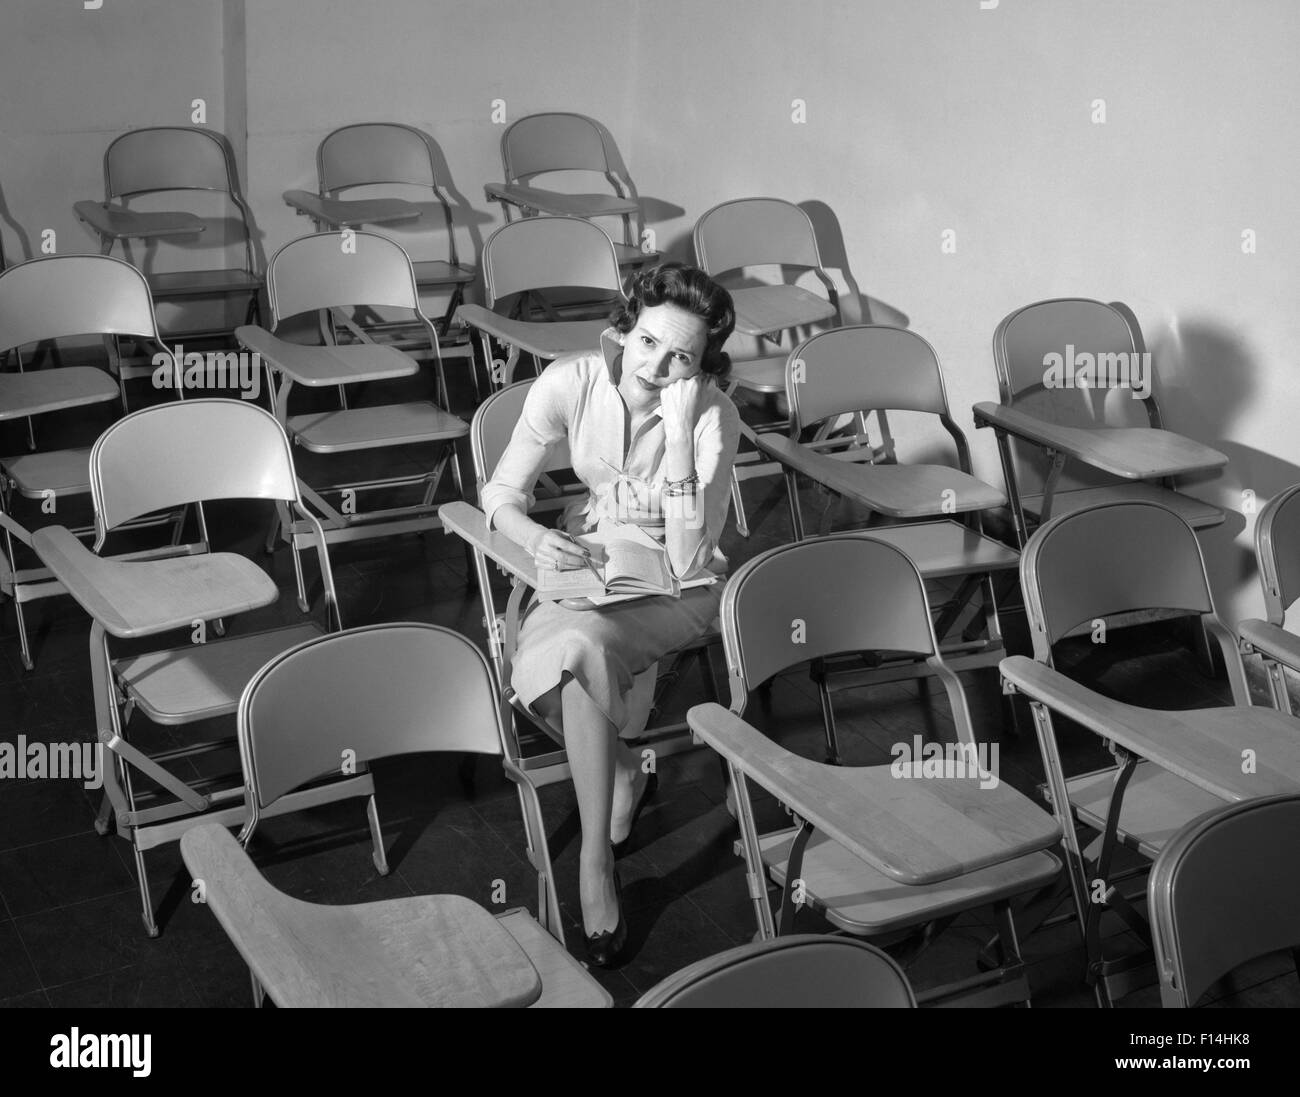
<point>377,837</point>
<point>142,878</point>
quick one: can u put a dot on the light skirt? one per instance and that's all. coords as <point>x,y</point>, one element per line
<point>606,647</point>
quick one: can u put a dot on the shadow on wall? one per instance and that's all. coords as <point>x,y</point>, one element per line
<point>1207,377</point>
<point>24,241</point>
<point>855,306</point>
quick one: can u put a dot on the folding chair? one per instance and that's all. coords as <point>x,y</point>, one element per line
<point>1065,370</point>
<point>490,433</point>
<point>804,971</point>
<point>875,851</point>
<point>330,271</point>
<point>1225,891</point>
<point>166,160</point>
<point>543,144</point>
<point>1079,571</point>
<point>379,692</point>
<point>385,174</point>
<point>731,241</point>
<point>46,300</point>
<point>157,459</point>
<point>1277,553</point>
<point>871,369</point>
<point>522,259</point>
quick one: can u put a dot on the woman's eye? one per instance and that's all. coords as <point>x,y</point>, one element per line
<point>647,341</point>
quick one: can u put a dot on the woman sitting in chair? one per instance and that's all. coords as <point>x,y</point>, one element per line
<point>653,437</point>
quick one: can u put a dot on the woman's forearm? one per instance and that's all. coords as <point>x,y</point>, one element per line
<point>684,528</point>
<point>515,524</point>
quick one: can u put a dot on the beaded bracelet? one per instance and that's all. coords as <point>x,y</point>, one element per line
<point>673,489</point>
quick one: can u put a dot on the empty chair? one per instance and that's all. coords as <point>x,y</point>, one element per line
<point>45,300</point>
<point>876,849</point>
<point>526,257</point>
<point>145,163</point>
<point>866,371</point>
<point>1080,571</point>
<point>802,971</point>
<point>1077,388</point>
<point>1277,554</point>
<point>378,692</point>
<point>733,241</point>
<point>385,174</point>
<point>542,145</point>
<point>333,271</point>
<point>1224,891</point>
<point>183,452</point>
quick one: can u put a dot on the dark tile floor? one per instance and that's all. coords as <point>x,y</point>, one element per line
<point>70,931</point>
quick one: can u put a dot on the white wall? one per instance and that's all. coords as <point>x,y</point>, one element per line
<point>922,115</point>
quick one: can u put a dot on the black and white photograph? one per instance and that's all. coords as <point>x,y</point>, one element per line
<point>649,503</point>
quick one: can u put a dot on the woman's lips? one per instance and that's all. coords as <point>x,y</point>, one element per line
<point>648,386</point>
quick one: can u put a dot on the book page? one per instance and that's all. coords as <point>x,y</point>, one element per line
<point>630,562</point>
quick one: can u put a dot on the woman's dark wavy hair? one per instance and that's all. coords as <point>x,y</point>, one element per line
<point>691,289</point>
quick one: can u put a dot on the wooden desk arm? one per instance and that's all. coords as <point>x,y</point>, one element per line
<point>1263,637</point>
<point>1049,687</point>
<point>121,223</point>
<point>470,524</point>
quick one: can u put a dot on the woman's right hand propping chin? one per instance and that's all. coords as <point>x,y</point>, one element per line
<point>558,551</point>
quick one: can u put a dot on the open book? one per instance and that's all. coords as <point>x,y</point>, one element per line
<point>634,565</point>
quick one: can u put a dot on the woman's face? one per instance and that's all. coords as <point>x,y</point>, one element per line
<point>666,345</point>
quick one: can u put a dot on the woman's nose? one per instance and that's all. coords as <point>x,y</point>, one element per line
<point>662,365</point>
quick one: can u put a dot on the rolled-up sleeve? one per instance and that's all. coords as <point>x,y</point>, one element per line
<point>544,421</point>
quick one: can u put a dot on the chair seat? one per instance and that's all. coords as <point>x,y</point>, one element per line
<point>1157,804</point>
<point>63,471</point>
<point>545,340</point>
<point>199,681</point>
<point>39,391</point>
<point>199,283</point>
<point>940,549</point>
<point>762,310</point>
<point>759,374</point>
<point>899,491</point>
<point>859,899</point>
<point>349,429</point>
<point>566,984</point>
<point>1197,514</point>
<point>559,203</point>
<point>438,272</point>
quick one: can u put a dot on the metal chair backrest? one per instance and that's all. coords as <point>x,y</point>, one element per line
<point>824,596</point>
<point>371,153</point>
<point>356,696</point>
<point>1115,558</point>
<point>1223,891</point>
<point>801,971</point>
<point>187,452</point>
<point>64,295</point>
<point>866,367</point>
<point>1277,551</point>
<point>556,141</point>
<point>338,269</point>
<point>755,232</point>
<point>160,158</point>
<point>494,425</point>
<point>548,252</point>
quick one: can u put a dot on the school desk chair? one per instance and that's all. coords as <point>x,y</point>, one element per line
<point>335,272</point>
<point>340,703</point>
<point>1223,891</point>
<point>523,264</point>
<point>51,299</point>
<point>876,850</point>
<point>735,240</point>
<point>569,148</point>
<point>866,371</point>
<point>183,452</point>
<point>1277,553</point>
<point>1077,387</point>
<point>803,971</point>
<point>385,175</point>
<point>146,174</point>
<point>1079,572</point>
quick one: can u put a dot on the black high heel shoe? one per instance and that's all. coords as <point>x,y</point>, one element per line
<point>651,786</point>
<point>605,950</point>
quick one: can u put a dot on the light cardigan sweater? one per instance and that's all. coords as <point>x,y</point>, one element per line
<point>576,398</point>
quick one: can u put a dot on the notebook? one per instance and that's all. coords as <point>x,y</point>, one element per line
<point>634,565</point>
